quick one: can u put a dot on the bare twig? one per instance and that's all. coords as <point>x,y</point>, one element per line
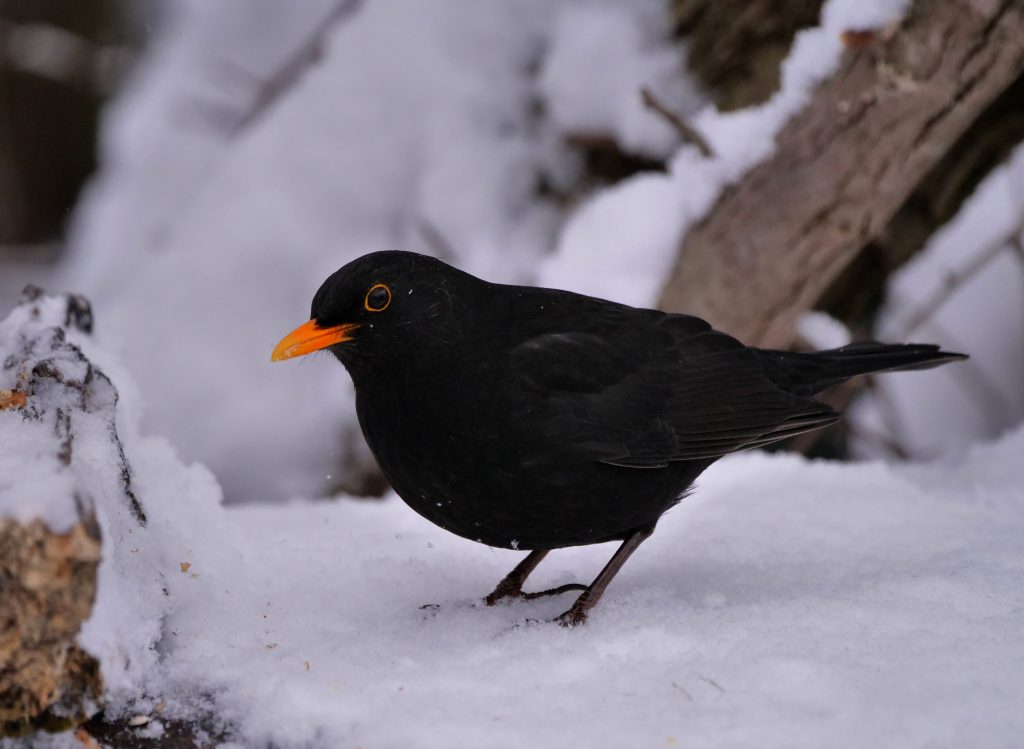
<point>999,410</point>
<point>897,441</point>
<point>957,278</point>
<point>974,379</point>
<point>712,682</point>
<point>686,131</point>
<point>285,77</point>
<point>685,693</point>
<point>270,90</point>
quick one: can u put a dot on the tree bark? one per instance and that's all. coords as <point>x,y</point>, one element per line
<point>48,575</point>
<point>855,296</point>
<point>736,47</point>
<point>48,583</point>
<point>843,167</point>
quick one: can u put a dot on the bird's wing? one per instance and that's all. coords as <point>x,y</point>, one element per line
<point>644,396</point>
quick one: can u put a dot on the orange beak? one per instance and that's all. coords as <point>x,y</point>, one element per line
<point>309,337</point>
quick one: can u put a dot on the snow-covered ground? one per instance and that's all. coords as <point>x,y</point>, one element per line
<point>787,603</point>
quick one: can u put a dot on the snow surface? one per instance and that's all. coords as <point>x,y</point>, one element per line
<point>787,603</point>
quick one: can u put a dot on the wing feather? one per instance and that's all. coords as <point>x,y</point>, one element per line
<point>647,395</point>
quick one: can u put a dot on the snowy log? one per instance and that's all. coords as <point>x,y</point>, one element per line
<point>54,405</point>
<point>843,168</point>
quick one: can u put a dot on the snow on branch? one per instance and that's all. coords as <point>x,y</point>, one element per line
<point>842,168</point>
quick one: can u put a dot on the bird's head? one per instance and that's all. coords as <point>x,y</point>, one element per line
<point>382,304</point>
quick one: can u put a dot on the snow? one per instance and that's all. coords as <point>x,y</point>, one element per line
<point>983,317</point>
<point>830,605</point>
<point>43,489</point>
<point>822,331</point>
<point>33,482</point>
<point>622,245</point>
<point>601,55</point>
<point>787,603</point>
<point>80,402</point>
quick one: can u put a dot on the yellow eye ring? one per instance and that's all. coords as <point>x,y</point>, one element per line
<point>379,302</point>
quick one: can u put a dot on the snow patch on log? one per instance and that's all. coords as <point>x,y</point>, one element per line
<point>69,483</point>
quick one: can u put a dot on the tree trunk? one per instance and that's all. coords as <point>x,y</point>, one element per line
<point>842,168</point>
<point>736,47</point>
<point>47,587</point>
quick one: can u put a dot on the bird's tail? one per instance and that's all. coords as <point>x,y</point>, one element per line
<point>810,373</point>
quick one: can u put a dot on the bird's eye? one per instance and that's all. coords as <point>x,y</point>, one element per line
<point>377,298</point>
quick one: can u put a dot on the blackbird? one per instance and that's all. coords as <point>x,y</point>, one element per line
<point>536,419</point>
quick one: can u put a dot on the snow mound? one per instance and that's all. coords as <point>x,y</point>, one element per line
<point>787,603</point>
<point>71,452</point>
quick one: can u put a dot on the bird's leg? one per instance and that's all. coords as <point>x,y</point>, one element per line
<point>512,585</point>
<point>578,613</point>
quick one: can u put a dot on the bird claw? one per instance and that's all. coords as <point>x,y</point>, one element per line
<point>571,618</point>
<point>503,592</point>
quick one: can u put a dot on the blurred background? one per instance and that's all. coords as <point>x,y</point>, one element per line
<point>197,169</point>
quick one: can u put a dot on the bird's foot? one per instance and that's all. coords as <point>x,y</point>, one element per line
<point>571,618</point>
<point>554,591</point>
<point>503,591</point>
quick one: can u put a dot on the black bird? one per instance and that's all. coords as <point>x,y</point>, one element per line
<point>535,419</point>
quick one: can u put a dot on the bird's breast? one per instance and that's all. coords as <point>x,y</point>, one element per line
<point>461,460</point>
